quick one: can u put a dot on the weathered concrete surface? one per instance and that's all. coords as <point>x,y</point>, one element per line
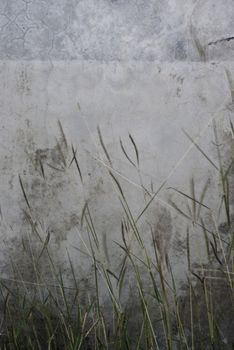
<point>148,68</point>
<point>154,103</point>
<point>122,30</point>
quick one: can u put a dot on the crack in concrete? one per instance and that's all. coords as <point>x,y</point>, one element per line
<point>230,38</point>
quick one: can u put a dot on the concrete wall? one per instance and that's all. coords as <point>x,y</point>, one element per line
<point>148,68</point>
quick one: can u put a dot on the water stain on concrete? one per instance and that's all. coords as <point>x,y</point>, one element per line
<point>48,185</point>
<point>23,82</point>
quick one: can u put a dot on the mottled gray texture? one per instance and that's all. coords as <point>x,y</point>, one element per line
<point>154,102</point>
<point>151,68</point>
<point>108,30</point>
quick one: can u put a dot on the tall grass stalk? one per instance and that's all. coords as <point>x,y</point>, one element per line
<point>46,312</point>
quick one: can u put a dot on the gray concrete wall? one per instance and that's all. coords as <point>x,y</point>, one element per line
<point>148,68</point>
<point>106,30</point>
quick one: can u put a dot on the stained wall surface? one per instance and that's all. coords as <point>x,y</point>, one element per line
<point>83,75</point>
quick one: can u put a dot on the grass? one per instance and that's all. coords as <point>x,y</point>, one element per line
<point>45,312</point>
